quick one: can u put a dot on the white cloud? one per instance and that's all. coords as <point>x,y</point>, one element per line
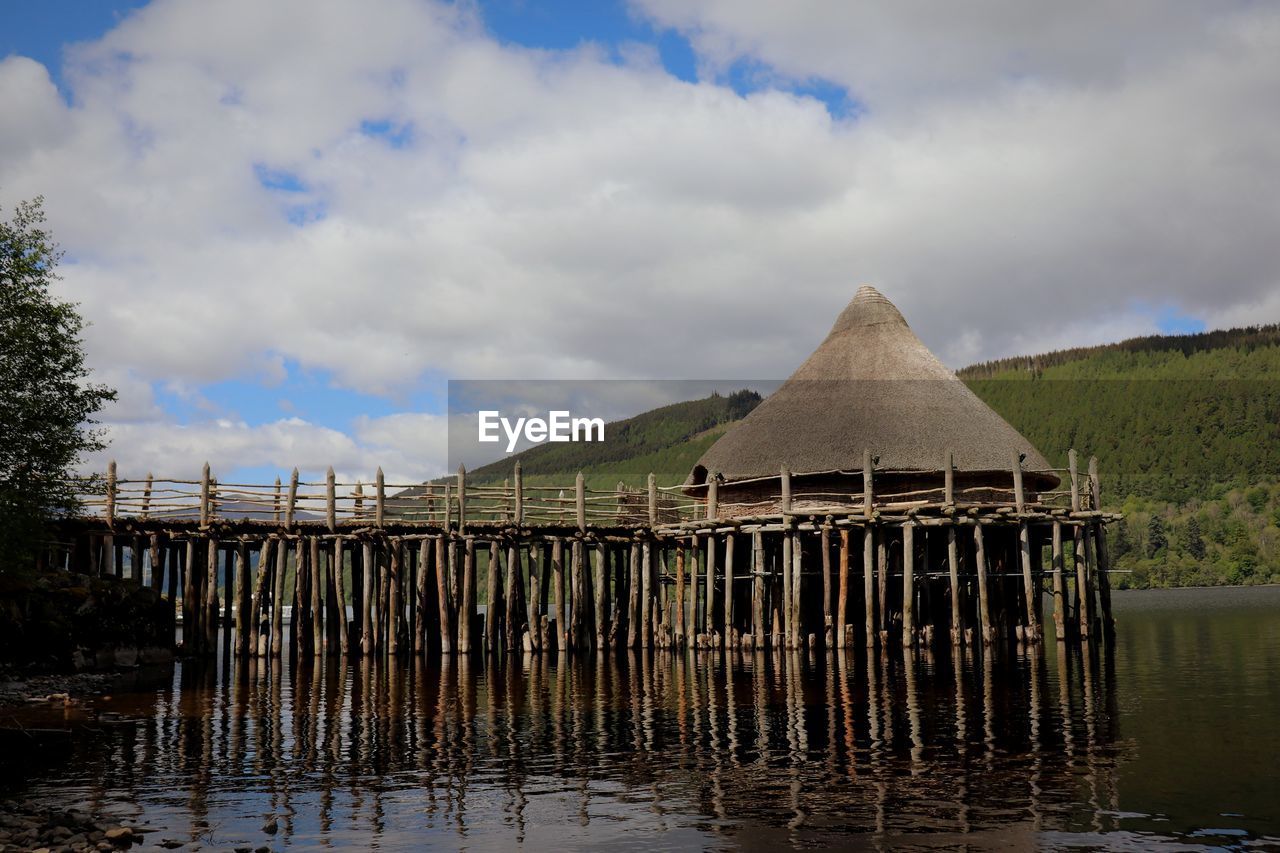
<point>1026,177</point>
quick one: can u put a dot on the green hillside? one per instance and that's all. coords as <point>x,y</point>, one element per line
<point>1187,432</point>
<point>667,441</point>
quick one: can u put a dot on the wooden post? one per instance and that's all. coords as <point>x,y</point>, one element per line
<point>241,594</point>
<point>709,606</point>
<point>1084,580</point>
<point>653,501</point>
<point>204,497</point>
<point>868,581</point>
<point>868,480</point>
<point>1103,561</point>
<point>908,585</point>
<point>646,594</point>
<point>713,498</point>
<point>300,625</point>
<point>828,621</point>
<point>380,505</point>
<point>111,493</point>
<point>492,617</point>
<point>1030,589</point>
<point>339,587</point>
<point>512,598</point>
<point>786,489</point>
<point>420,599</point>
<point>600,591</point>
<point>984,599</point>
<point>953,573</point>
<point>758,628</point>
<point>949,478</point>
<point>156,555</point>
<point>580,502</point>
<point>256,636</point>
<point>467,613</point>
<point>135,560</point>
<point>519,518</point>
<point>190,608</point>
<point>788,622</point>
<point>691,605</point>
<point>728,588</point>
<point>679,618</point>
<point>293,499</point>
<point>462,519</point>
<point>317,592</point>
<point>277,599</point>
<point>331,500</point>
<point>444,568</point>
<point>146,496</point>
<point>211,599</point>
<point>370,566</point>
<point>1059,590</point>
<point>395,578</point>
<point>882,586</point>
<point>557,590</point>
<point>276,502</point>
<point>842,587</point>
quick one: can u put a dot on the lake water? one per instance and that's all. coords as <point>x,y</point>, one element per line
<point>1173,741</point>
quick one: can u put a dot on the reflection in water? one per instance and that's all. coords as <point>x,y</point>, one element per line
<point>794,747</point>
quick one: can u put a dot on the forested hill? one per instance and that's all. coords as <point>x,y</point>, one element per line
<point>667,441</point>
<point>1187,430</point>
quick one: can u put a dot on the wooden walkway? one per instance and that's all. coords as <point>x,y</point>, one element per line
<point>626,568</point>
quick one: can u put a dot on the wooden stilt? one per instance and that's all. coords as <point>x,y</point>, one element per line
<point>828,621</point>
<point>842,599</point>
<point>493,614</point>
<point>557,589</point>
<point>316,587</point>
<point>984,598</point>
<point>882,585</point>
<point>420,598</point>
<point>679,616</point>
<point>600,592</point>
<point>953,576</point>
<point>277,598</point>
<point>211,599</point>
<point>908,585</point>
<point>513,606</point>
<point>445,555</point>
<point>728,589</point>
<point>646,594</point>
<point>257,635</point>
<point>340,592</point>
<point>709,591</point>
<point>1059,590</point>
<point>758,627</point>
<point>369,569</point>
<point>789,631</point>
<point>467,611</point>
<point>190,607</point>
<point>868,581</point>
<point>241,598</point>
<point>1103,561</point>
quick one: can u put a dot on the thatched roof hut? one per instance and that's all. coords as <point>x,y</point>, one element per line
<point>872,385</point>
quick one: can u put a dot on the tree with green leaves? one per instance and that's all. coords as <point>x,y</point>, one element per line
<point>47,404</point>
<point>1157,536</point>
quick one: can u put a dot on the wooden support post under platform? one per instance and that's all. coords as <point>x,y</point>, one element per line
<point>709,606</point>
<point>758,629</point>
<point>493,609</point>
<point>1103,561</point>
<point>828,623</point>
<point>340,592</point>
<point>882,585</point>
<point>1059,589</point>
<point>600,592</point>
<point>277,598</point>
<point>679,608</point>
<point>420,603</point>
<point>868,582</point>
<point>729,632</point>
<point>908,586</point>
<point>953,576</point>
<point>317,587</point>
<point>984,596</point>
<point>190,607</point>
<point>842,601</point>
<point>211,599</point>
<point>467,612</point>
<point>243,616</point>
<point>1030,589</point>
<point>369,567</point>
<point>257,637</point>
<point>788,627</point>
<point>635,586</point>
<point>557,591</point>
<point>646,594</point>
<point>445,554</point>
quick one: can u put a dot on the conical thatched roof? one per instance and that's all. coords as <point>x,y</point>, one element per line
<point>871,385</point>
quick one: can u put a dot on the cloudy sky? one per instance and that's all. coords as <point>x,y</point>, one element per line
<point>291,222</point>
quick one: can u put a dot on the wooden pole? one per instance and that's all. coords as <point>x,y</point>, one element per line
<point>600,590</point>
<point>984,599</point>
<point>728,588</point>
<point>1030,589</point>
<point>785,479</point>
<point>868,581</point>
<point>370,566</point>
<point>204,497</point>
<point>317,592</point>
<point>949,478</point>
<point>156,555</point>
<point>713,498</point>
<point>395,578</point>
<point>1103,558</point>
<point>300,625</point>
<point>111,493</point>
<point>842,599</point>
<point>277,599</point>
<point>380,505</point>
<point>868,481</point>
<point>339,587</point>
<point>493,610</point>
<point>420,598</point>
<point>293,499</point>
<point>242,616</point>
<point>468,609</point>
<point>256,634</point>
<point>1085,568</point>
<point>511,600</point>
<point>462,519</point>
<point>788,619</point>
<point>276,502</point>
<point>882,586</point>
<point>646,594</point>
<point>190,632</point>
<point>580,502</point>
<point>444,568</point>
<point>758,628</point>
<point>653,501</point>
<point>908,585</point>
<point>331,500</point>
<point>1059,590</point>
<point>211,599</point>
<point>953,576</point>
<point>557,590</point>
<point>519,515</point>
<point>709,607</point>
<point>679,618</point>
<point>146,496</point>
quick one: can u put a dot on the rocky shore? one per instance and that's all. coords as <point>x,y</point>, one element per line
<point>25,825</point>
